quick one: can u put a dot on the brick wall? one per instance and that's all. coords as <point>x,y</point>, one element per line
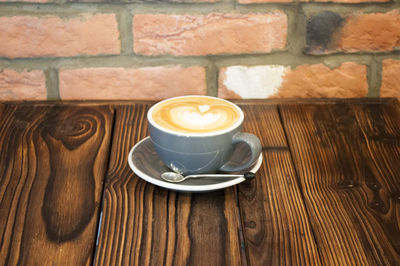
<point>127,49</point>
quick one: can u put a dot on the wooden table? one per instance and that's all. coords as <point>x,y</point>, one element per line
<point>328,191</point>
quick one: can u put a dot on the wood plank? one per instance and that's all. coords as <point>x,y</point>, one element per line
<point>146,225</point>
<point>272,101</point>
<point>380,125</point>
<point>263,120</point>
<point>275,223</point>
<point>52,165</point>
<point>350,193</point>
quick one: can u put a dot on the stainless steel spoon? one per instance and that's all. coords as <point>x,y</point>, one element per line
<point>176,178</point>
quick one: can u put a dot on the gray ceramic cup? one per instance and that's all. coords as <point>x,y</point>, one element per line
<point>195,153</point>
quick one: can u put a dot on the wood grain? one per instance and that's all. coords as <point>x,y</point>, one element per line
<point>274,219</point>
<point>51,172</point>
<point>328,191</point>
<point>147,225</point>
<point>348,161</point>
<point>263,120</point>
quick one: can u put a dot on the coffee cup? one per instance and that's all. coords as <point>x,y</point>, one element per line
<point>197,134</point>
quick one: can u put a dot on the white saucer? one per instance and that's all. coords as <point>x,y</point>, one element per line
<point>145,162</point>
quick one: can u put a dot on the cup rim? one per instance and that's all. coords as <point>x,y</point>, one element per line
<point>204,134</point>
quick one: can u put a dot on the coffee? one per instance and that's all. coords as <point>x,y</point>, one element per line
<point>196,114</point>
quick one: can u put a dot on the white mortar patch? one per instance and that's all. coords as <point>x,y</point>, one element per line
<point>255,82</point>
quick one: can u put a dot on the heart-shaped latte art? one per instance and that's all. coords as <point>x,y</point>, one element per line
<point>197,118</point>
<point>204,108</point>
<point>196,115</point>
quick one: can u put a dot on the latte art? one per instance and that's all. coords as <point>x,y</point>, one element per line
<point>196,118</point>
<point>195,114</point>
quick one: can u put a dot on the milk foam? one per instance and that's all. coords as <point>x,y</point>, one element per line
<point>204,108</point>
<point>189,117</point>
<point>196,114</point>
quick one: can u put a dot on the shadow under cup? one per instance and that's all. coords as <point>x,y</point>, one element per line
<point>194,153</point>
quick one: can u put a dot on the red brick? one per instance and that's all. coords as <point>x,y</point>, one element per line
<point>195,35</point>
<point>353,1</point>
<point>346,81</point>
<point>28,1</point>
<point>147,83</point>
<point>143,1</point>
<point>306,81</point>
<point>329,32</point>
<point>390,78</point>
<point>50,36</point>
<point>192,1</point>
<point>22,85</point>
<point>370,32</point>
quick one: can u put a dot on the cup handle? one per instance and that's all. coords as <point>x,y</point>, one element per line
<point>255,147</point>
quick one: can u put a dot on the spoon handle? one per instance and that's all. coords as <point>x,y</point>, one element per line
<point>247,175</point>
<point>212,175</point>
